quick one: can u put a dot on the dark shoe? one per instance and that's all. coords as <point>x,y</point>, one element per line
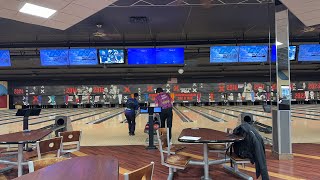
<point>132,134</point>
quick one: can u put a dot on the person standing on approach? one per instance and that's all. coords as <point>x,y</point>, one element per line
<point>132,105</point>
<point>164,101</point>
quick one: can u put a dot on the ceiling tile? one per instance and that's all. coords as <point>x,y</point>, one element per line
<point>29,19</point>
<point>304,10</point>
<point>78,10</point>
<point>15,5</point>
<point>93,4</point>
<point>56,24</point>
<point>67,18</point>
<point>6,13</point>
<point>52,4</point>
<point>69,12</point>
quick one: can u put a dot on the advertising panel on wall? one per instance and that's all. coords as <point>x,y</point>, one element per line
<point>180,93</point>
<point>4,99</point>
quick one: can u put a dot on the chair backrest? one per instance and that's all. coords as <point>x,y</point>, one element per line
<point>146,172</point>
<point>163,141</point>
<point>39,164</point>
<point>70,136</point>
<point>229,130</point>
<point>49,145</point>
<point>162,131</point>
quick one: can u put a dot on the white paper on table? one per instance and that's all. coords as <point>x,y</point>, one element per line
<point>190,138</point>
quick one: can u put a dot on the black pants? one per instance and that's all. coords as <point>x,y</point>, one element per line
<point>166,115</point>
<point>131,118</point>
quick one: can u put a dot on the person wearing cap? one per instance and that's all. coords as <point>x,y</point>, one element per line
<point>132,105</point>
<point>164,101</point>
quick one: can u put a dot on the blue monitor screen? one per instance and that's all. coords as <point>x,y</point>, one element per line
<point>111,56</point>
<point>143,110</point>
<point>310,52</point>
<point>224,54</point>
<point>142,56</point>
<point>170,56</point>
<point>85,56</point>
<point>5,58</point>
<point>253,53</point>
<point>54,57</point>
<point>292,53</point>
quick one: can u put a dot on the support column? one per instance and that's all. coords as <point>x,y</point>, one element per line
<point>281,117</point>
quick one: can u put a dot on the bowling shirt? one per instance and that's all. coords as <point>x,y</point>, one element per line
<point>163,100</point>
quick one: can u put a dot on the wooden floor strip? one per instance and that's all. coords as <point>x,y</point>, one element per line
<point>79,153</point>
<point>2,177</point>
<point>301,155</point>
<point>250,169</point>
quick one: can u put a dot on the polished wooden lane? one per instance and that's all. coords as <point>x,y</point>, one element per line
<point>80,168</point>
<point>113,132</point>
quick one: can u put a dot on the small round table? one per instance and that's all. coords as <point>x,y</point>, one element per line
<point>207,136</point>
<point>86,167</point>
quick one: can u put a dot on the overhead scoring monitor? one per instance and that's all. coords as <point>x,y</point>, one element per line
<point>224,54</point>
<point>111,56</point>
<point>257,53</point>
<point>5,60</point>
<point>309,52</point>
<point>54,57</point>
<point>83,56</point>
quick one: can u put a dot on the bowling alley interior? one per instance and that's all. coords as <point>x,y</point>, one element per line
<point>159,89</point>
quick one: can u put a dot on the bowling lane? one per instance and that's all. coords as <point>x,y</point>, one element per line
<point>201,121</point>
<point>12,116</point>
<point>43,116</point>
<point>234,113</point>
<point>88,115</point>
<point>114,132</point>
<point>16,125</point>
<point>295,115</point>
<point>303,130</point>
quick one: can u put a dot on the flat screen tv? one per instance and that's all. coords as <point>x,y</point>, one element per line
<point>169,55</point>
<point>54,57</point>
<point>111,56</point>
<point>83,56</point>
<point>5,60</point>
<point>292,53</point>
<point>309,52</point>
<point>257,53</point>
<point>224,54</point>
<point>141,56</point>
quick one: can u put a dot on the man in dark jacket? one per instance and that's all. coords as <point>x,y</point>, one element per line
<point>132,105</point>
<point>252,147</point>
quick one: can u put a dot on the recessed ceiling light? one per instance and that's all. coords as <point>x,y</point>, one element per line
<point>37,10</point>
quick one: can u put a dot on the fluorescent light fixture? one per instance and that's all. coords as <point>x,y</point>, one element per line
<point>279,43</point>
<point>37,10</point>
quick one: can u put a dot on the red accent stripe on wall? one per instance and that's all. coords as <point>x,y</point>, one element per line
<point>3,102</point>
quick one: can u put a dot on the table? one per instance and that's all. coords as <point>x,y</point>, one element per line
<point>207,136</point>
<point>86,167</point>
<point>22,138</point>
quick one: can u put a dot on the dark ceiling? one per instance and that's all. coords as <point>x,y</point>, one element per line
<point>165,23</point>
<point>170,25</point>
